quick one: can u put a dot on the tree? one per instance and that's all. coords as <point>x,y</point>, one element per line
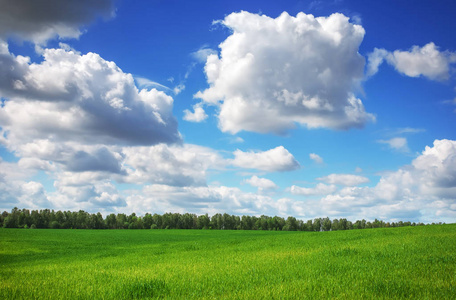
<point>36,219</point>
<point>203,221</point>
<point>326,224</point>
<point>290,224</point>
<point>121,221</point>
<point>217,222</point>
<point>54,225</point>
<point>317,224</point>
<point>157,220</point>
<point>246,223</point>
<point>335,225</point>
<point>111,222</point>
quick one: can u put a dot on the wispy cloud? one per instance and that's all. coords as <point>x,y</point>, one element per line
<point>147,83</point>
<point>397,143</point>
<point>316,158</point>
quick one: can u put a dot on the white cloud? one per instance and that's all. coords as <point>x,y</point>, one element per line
<point>409,130</point>
<point>184,165</point>
<point>437,166</point>
<point>316,158</point>
<point>202,54</point>
<point>274,160</point>
<point>235,140</point>
<point>147,83</point>
<point>319,189</point>
<point>397,143</point>
<point>178,89</point>
<point>211,200</point>
<point>427,61</point>
<point>273,73</point>
<point>33,195</point>
<point>15,190</point>
<point>197,116</point>
<point>31,20</point>
<point>72,97</point>
<point>91,196</point>
<point>261,183</point>
<point>423,191</point>
<point>344,179</point>
<point>374,60</point>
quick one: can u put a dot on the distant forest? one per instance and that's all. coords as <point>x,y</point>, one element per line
<point>47,218</point>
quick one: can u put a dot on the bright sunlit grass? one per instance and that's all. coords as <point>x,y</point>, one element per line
<point>388,263</point>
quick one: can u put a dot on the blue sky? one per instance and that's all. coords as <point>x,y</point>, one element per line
<point>302,108</point>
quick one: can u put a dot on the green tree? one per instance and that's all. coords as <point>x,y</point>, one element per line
<point>326,224</point>
<point>290,224</point>
<point>203,222</point>
<point>110,221</point>
<point>147,220</point>
<point>317,224</point>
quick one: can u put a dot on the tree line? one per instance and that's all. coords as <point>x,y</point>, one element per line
<point>46,218</point>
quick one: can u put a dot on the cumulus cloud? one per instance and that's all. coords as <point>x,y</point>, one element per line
<point>185,165</point>
<point>261,183</point>
<point>274,73</point>
<point>316,158</point>
<point>344,179</point>
<point>101,160</point>
<point>73,97</point>
<point>427,61</point>
<point>89,195</point>
<point>375,60</point>
<point>273,160</point>
<point>437,166</point>
<point>319,189</point>
<point>397,143</point>
<point>16,190</point>
<point>210,199</point>
<point>39,21</point>
<point>421,191</point>
<point>198,114</point>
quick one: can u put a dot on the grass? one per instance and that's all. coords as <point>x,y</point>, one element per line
<point>386,263</point>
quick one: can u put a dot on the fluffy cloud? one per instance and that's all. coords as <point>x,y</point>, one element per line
<point>72,97</point>
<point>316,158</point>
<point>427,61</point>
<point>437,168</point>
<point>319,189</point>
<point>185,165</point>
<point>261,183</point>
<point>397,143</point>
<point>197,116</point>
<point>92,196</point>
<point>39,21</point>
<point>210,199</point>
<point>423,191</point>
<point>273,73</point>
<point>15,190</point>
<point>375,60</point>
<point>344,179</point>
<point>274,160</point>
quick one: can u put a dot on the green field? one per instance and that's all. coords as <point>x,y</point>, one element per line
<point>409,262</point>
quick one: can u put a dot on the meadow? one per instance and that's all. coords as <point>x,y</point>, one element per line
<point>384,263</point>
